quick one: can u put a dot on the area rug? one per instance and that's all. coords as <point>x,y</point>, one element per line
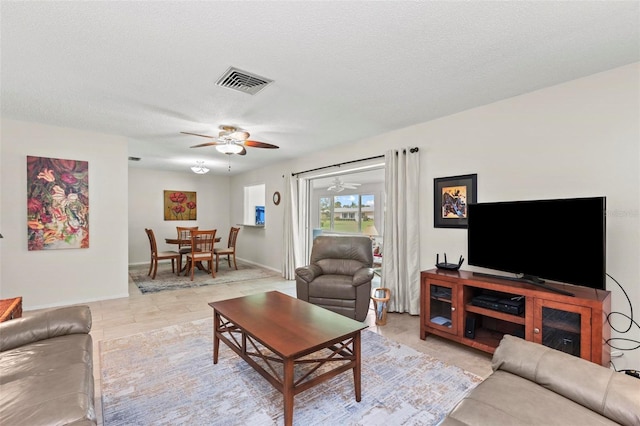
<point>167,377</point>
<point>167,280</point>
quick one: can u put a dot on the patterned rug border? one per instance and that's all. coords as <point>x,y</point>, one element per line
<point>166,376</point>
<point>166,280</point>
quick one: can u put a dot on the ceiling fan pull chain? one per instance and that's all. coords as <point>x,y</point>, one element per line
<point>229,163</point>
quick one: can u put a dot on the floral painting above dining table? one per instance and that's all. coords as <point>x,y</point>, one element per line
<point>57,203</point>
<point>180,205</point>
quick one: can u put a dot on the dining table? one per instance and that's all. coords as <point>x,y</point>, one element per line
<point>181,241</point>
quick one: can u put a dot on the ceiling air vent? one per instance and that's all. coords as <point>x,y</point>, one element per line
<point>243,81</point>
<point>134,158</point>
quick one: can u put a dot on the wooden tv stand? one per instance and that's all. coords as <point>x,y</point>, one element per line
<point>573,324</point>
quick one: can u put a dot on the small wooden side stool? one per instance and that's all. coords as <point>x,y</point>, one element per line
<point>10,308</point>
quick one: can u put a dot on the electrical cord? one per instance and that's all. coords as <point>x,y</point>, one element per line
<point>632,322</point>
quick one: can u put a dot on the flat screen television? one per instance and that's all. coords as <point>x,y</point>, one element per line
<point>560,240</point>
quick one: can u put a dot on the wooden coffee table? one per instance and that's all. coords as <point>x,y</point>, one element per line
<point>276,333</point>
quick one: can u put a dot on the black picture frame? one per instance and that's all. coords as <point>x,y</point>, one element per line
<point>451,195</point>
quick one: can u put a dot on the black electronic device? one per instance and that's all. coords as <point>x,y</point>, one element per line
<point>441,292</point>
<point>562,240</point>
<point>449,266</point>
<point>470,328</point>
<point>513,306</point>
<point>486,301</point>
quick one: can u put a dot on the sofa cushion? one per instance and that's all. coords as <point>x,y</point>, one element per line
<point>508,399</point>
<point>48,382</point>
<point>58,322</point>
<point>46,369</point>
<point>600,389</point>
<point>332,287</point>
<point>45,356</point>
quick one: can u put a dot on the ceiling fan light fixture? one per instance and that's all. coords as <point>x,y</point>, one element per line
<point>229,148</point>
<point>199,168</point>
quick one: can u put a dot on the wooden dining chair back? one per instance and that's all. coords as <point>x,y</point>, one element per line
<point>230,250</point>
<point>202,246</point>
<point>162,255</point>
<point>184,241</point>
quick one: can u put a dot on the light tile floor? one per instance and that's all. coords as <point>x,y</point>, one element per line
<point>143,312</point>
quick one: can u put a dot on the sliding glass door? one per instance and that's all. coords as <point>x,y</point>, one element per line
<point>348,203</point>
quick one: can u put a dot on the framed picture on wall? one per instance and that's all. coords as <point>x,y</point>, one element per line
<point>57,203</point>
<point>451,196</point>
<point>180,205</point>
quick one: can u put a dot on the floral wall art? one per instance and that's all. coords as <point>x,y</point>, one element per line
<point>180,205</point>
<point>57,203</point>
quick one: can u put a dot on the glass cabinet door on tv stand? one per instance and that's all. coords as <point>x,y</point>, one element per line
<point>441,306</point>
<point>562,327</point>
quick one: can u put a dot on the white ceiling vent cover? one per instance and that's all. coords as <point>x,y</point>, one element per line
<point>243,81</point>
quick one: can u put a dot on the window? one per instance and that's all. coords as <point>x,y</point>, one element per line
<point>350,213</point>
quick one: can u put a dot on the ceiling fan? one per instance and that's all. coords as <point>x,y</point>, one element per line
<point>337,185</point>
<point>231,140</point>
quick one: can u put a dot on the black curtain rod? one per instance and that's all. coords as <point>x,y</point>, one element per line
<point>411,150</point>
<point>338,165</point>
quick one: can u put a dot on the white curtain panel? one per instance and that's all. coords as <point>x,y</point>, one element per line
<point>295,225</point>
<point>291,243</point>
<point>401,259</point>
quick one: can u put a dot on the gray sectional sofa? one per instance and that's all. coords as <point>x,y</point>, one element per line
<point>46,369</point>
<point>534,385</point>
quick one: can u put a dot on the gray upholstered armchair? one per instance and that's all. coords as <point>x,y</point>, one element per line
<point>339,276</point>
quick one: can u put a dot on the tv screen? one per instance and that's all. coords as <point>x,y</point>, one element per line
<point>560,240</point>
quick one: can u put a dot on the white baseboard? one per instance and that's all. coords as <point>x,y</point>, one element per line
<point>75,302</point>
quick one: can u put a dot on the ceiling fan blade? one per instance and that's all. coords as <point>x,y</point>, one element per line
<point>243,152</point>
<point>196,134</point>
<point>256,144</point>
<point>205,144</point>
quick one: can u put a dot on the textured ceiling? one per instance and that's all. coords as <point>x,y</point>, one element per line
<point>343,71</point>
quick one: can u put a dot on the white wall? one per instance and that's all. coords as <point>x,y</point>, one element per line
<point>254,242</point>
<point>577,139</point>
<point>60,277</point>
<point>146,210</point>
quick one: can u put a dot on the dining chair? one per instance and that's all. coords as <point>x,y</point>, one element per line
<point>230,250</point>
<point>202,243</point>
<point>184,244</point>
<point>162,255</point>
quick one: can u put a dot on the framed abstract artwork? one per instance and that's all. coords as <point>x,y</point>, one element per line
<point>57,203</point>
<point>180,205</point>
<point>451,195</point>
